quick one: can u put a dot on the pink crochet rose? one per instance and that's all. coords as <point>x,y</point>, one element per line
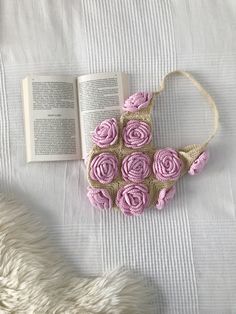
<point>164,197</point>
<point>199,164</point>
<point>167,165</point>
<point>106,133</point>
<point>99,198</point>
<point>137,101</point>
<point>136,167</point>
<point>104,168</point>
<point>132,199</point>
<point>136,134</point>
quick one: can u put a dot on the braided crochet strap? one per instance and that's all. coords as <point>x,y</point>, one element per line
<point>208,97</point>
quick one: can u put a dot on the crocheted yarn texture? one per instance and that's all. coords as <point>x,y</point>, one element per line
<point>125,169</point>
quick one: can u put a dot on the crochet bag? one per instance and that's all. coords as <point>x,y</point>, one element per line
<point>126,171</point>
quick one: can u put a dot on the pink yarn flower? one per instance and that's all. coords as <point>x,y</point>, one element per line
<point>137,101</point>
<point>136,134</point>
<point>132,199</point>
<point>167,165</point>
<point>199,164</point>
<point>104,168</point>
<point>106,133</point>
<point>136,167</point>
<point>99,198</point>
<point>165,196</point>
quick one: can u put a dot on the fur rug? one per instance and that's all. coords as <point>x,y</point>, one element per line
<point>34,278</point>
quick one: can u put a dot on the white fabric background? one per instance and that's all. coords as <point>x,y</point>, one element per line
<point>187,253</point>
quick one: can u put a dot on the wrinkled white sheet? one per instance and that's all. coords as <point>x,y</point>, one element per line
<point>188,251</point>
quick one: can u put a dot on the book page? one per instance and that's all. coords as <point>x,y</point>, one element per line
<point>100,97</point>
<point>51,118</point>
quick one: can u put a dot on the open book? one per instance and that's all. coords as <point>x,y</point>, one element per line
<point>60,112</point>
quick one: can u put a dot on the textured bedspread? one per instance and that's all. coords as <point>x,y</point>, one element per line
<point>187,252</point>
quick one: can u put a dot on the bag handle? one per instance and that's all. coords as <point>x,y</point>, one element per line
<point>207,96</point>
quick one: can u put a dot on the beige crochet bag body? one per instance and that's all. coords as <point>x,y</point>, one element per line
<point>125,170</point>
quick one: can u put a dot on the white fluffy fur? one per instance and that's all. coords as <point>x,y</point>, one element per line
<point>34,278</point>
